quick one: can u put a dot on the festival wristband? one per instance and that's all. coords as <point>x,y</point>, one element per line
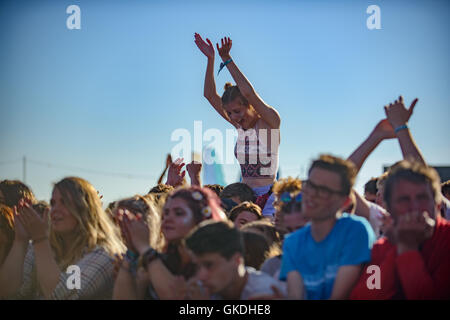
<point>401,128</point>
<point>223,64</point>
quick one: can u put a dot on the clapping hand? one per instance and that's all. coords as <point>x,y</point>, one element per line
<point>206,48</point>
<point>397,114</point>
<point>175,176</point>
<point>30,224</point>
<point>224,50</point>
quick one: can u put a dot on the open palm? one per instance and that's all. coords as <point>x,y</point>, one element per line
<point>206,48</point>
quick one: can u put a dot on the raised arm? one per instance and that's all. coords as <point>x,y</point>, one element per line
<point>267,113</point>
<point>209,90</point>
<point>398,117</point>
<point>383,130</point>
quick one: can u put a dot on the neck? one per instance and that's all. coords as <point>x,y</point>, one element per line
<point>68,239</point>
<point>321,228</point>
<point>233,292</point>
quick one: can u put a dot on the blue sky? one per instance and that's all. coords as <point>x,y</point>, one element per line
<point>108,96</point>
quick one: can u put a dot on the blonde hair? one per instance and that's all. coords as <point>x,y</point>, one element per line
<point>94,227</point>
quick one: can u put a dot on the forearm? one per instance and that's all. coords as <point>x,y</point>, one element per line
<point>11,272</point>
<point>125,286</point>
<point>210,84</point>
<point>162,280</point>
<point>196,181</point>
<point>359,156</point>
<point>267,113</point>
<point>409,148</point>
<point>245,87</point>
<point>48,272</point>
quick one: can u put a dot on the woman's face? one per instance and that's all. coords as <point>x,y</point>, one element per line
<point>177,219</point>
<point>244,116</point>
<point>61,219</point>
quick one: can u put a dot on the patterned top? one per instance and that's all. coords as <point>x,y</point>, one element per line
<point>96,278</point>
<point>256,159</point>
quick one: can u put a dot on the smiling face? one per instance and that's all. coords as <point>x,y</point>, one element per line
<point>62,220</point>
<point>243,115</point>
<point>177,219</point>
<point>321,196</point>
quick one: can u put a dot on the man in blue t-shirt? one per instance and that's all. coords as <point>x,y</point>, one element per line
<point>324,259</point>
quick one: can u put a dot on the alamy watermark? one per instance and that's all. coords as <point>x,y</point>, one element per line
<point>74,280</point>
<point>251,146</point>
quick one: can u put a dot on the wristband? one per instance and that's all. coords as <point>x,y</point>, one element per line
<point>145,259</point>
<point>405,126</point>
<point>223,64</point>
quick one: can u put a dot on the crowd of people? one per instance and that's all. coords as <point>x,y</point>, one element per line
<point>260,238</point>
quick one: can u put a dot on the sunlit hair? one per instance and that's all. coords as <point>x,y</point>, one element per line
<point>414,172</point>
<point>245,206</point>
<point>203,202</point>
<point>232,93</point>
<point>14,190</point>
<point>290,185</point>
<point>6,228</point>
<point>94,227</point>
<point>145,206</point>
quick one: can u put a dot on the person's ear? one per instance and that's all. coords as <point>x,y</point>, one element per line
<point>237,258</point>
<point>346,202</point>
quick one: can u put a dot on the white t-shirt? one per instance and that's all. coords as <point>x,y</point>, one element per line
<point>259,283</point>
<point>376,215</point>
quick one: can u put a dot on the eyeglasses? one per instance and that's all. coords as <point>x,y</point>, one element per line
<point>321,191</point>
<point>287,197</point>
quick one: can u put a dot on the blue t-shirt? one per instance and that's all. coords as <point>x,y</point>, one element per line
<point>348,243</point>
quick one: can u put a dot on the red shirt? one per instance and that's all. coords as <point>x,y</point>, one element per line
<point>423,274</point>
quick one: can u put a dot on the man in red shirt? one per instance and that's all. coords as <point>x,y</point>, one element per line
<point>413,260</point>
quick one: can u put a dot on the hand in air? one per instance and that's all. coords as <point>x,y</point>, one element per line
<point>206,48</point>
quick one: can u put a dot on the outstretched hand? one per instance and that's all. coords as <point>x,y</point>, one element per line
<point>224,50</point>
<point>175,176</point>
<point>206,48</point>
<point>397,114</point>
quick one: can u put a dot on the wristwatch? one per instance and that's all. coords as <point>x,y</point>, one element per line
<point>148,256</point>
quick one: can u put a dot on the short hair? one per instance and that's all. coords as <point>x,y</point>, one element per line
<point>14,191</point>
<point>245,206</point>
<point>415,172</point>
<point>266,228</point>
<point>242,190</point>
<point>344,168</point>
<point>217,188</point>
<point>371,186</point>
<point>382,180</point>
<point>215,237</point>
<point>256,249</point>
<point>232,93</point>
<point>445,187</point>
